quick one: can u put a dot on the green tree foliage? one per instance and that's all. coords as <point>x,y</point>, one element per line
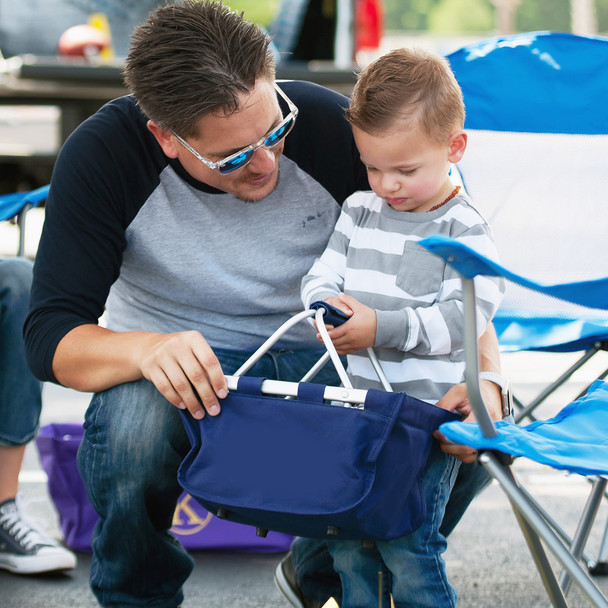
<point>601,11</point>
<point>408,14</point>
<point>478,15</point>
<point>461,16</point>
<point>533,15</point>
<point>259,11</point>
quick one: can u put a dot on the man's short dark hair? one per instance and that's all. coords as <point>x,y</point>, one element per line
<point>193,58</point>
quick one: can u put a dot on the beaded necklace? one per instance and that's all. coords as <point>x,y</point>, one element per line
<point>448,199</point>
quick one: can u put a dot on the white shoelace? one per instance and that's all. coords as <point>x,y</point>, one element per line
<point>25,535</point>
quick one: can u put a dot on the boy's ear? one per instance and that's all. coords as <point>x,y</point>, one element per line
<point>164,138</point>
<point>457,146</point>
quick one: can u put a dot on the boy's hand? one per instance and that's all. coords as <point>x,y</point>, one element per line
<point>359,332</point>
<point>337,303</point>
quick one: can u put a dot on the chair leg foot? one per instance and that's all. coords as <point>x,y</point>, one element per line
<point>599,569</point>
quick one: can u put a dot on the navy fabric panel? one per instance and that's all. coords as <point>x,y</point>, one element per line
<point>308,391</point>
<point>299,466</point>
<point>250,386</point>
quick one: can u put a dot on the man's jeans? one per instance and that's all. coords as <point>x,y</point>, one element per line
<point>20,392</point>
<point>133,445</point>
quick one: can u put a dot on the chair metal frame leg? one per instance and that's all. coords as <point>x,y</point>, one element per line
<point>537,531</point>
<point>557,527</point>
<point>583,529</point>
<point>21,218</point>
<point>525,411</point>
<point>601,564</point>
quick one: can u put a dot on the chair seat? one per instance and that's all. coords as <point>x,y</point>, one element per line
<point>11,204</point>
<point>574,440</point>
<point>517,332</point>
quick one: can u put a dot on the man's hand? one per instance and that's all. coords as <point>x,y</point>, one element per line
<point>457,399</point>
<point>181,365</point>
<point>183,368</point>
<point>359,332</point>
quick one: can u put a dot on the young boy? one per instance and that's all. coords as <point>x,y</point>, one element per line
<point>407,116</point>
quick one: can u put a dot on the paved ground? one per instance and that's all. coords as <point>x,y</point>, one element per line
<point>487,558</point>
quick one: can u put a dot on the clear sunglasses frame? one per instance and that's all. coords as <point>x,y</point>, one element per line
<point>248,151</point>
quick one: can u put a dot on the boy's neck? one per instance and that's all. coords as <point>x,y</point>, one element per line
<point>450,196</point>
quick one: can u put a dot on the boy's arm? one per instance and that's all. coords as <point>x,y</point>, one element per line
<point>432,322</point>
<point>326,277</point>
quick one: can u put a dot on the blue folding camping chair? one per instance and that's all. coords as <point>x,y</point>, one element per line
<point>536,167</point>
<point>574,440</point>
<point>16,205</point>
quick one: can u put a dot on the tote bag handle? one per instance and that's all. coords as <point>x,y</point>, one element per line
<point>336,317</point>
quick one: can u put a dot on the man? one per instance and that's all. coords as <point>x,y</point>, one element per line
<point>190,210</point>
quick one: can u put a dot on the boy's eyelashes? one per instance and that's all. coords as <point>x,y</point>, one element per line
<point>406,172</point>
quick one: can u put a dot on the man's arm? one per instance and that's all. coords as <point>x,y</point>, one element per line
<point>457,399</point>
<point>181,365</point>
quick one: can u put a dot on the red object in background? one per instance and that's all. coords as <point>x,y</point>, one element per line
<point>370,18</point>
<point>82,41</point>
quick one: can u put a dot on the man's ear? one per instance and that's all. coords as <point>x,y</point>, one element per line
<point>457,146</point>
<point>164,138</point>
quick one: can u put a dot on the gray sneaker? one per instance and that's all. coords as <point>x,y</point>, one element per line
<point>24,550</point>
<point>285,580</point>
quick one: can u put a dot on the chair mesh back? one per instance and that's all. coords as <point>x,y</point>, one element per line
<point>545,197</point>
<point>536,164</point>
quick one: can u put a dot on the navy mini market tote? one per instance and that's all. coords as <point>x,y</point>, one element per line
<point>323,462</point>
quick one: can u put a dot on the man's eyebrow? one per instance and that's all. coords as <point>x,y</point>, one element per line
<point>225,154</point>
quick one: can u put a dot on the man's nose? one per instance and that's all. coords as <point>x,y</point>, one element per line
<point>263,160</point>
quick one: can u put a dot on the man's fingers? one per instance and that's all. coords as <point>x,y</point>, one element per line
<point>182,387</point>
<point>165,388</point>
<point>187,373</point>
<point>462,452</point>
<point>209,379</point>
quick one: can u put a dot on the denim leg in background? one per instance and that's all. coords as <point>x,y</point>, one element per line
<point>20,392</point>
<point>133,445</point>
<point>471,480</point>
<point>418,573</point>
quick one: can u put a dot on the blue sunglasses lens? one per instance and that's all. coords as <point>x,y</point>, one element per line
<point>272,140</point>
<point>276,136</point>
<point>236,163</point>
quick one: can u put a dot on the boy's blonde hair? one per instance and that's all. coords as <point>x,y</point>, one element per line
<point>412,85</point>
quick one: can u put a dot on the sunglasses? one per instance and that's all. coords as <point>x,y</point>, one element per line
<point>242,157</point>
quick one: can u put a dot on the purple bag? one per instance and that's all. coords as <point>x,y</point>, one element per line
<point>195,527</point>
